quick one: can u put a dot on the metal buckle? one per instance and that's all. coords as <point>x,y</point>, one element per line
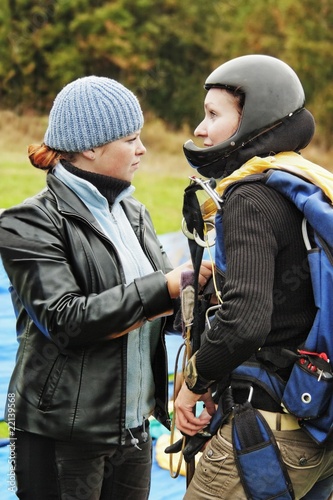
<point>208,311</point>
<point>194,236</point>
<point>209,186</point>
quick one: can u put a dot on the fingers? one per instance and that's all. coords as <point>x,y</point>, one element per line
<point>207,264</point>
<point>186,421</point>
<point>205,272</point>
<point>174,277</point>
<point>186,424</point>
<point>210,406</point>
<point>205,267</point>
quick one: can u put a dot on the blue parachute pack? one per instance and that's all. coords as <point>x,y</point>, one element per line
<point>308,393</point>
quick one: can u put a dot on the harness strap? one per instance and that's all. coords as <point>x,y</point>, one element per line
<point>261,469</point>
<point>245,420</point>
<point>276,357</point>
<point>194,221</point>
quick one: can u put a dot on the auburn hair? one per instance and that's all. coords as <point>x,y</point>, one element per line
<point>45,158</point>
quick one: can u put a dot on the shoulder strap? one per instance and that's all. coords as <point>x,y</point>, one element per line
<point>195,225</point>
<point>309,198</point>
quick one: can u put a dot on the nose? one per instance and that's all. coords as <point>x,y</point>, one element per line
<point>201,130</point>
<point>140,150</point>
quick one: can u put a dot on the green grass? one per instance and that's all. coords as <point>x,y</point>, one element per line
<point>3,430</point>
<point>163,197</point>
<point>19,180</point>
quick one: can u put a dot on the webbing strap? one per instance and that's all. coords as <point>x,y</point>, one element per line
<point>194,221</point>
<point>249,434</point>
<point>261,469</point>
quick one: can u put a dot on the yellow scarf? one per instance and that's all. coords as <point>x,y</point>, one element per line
<point>289,161</point>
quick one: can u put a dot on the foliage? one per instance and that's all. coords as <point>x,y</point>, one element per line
<point>145,44</point>
<point>162,49</point>
<point>298,32</point>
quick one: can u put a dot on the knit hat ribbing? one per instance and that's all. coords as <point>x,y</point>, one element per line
<point>90,112</point>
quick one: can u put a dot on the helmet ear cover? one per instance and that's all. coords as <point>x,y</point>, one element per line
<point>272,92</point>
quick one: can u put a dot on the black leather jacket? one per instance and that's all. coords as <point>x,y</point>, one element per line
<point>69,294</point>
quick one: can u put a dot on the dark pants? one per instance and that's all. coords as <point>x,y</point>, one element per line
<point>51,470</point>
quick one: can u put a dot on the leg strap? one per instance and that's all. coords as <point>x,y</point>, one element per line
<point>261,469</point>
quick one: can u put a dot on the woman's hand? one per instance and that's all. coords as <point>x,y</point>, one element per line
<point>186,421</point>
<point>174,277</point>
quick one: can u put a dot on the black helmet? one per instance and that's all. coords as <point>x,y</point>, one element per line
<point>272,91</point>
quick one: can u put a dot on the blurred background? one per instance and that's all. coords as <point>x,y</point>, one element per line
<point>163,50</point>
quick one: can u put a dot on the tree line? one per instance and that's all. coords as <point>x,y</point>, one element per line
<point>161,49</point>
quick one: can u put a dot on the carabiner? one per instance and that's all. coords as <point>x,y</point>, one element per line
<point>185,230</point>
<point>209,186</point>
<point>206,242</point>
<point>194,236</point>
<point>208,311</point>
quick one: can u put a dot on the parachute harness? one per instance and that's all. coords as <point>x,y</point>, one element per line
<point>196,229</point>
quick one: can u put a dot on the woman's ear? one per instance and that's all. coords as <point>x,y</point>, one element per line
<point>90,154</point>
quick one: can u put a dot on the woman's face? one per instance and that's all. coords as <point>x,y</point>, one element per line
<point>119,159</point>
<point>222,117</point>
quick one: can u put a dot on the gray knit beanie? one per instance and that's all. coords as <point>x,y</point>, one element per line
<point>90,112</point>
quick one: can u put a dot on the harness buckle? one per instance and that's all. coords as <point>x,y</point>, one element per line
<point>209,186</point>
<point>195,236</point>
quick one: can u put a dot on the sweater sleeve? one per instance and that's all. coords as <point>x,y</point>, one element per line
<point>244,320</point>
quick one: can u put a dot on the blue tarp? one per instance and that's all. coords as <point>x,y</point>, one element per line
<point>163,486</point>
<point>7,356</point>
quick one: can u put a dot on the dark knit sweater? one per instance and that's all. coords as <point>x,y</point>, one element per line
<point>267,295</point>
<point>108,186</point>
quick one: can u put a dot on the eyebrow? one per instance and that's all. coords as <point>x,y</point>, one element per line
<point>209,103</point>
